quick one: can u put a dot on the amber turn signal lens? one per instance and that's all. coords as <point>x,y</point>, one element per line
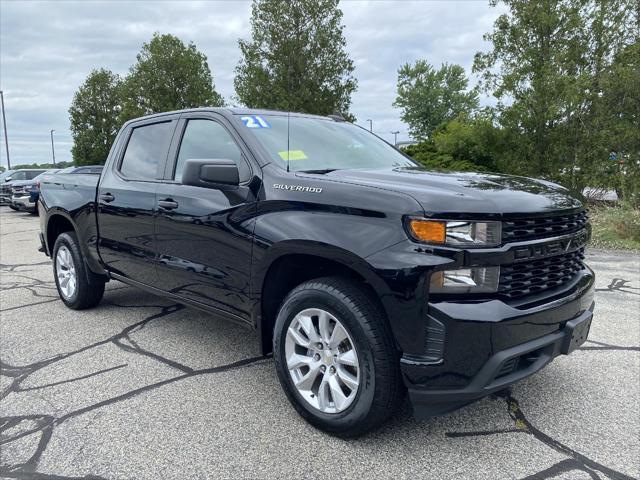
<point>429,231</point>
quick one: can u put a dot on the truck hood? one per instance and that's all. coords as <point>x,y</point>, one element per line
<point>471,193</point>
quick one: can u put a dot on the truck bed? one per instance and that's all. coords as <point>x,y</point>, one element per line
<point>74,191</point>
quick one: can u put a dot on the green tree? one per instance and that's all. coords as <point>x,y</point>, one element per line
<point>168,75</point>
<point>296,58</point>
<point>621,98</point>
<point>94,117</point>
<point>465,144</point>
<point>546,67</point>
<point>430,97</point>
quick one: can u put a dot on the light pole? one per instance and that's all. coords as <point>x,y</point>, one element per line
<point>4,123</point>
<point>370,125</point>
<point>53,152</point>
<point>395,138</point>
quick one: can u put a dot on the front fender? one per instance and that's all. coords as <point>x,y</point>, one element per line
<point>376,248</point>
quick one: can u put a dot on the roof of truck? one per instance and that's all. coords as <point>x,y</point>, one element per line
<point>234,111</point>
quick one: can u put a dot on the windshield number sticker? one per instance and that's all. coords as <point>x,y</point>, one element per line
<point>254,121</point>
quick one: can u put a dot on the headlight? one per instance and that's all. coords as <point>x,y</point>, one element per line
<point>466,280</point>
<point>456,233</point>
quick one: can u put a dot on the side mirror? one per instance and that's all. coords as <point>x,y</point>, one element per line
<point>210,173</point>
<point>7,179</point>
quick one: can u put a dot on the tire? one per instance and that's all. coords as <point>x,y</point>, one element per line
<point>89,287</point>
<point>14,208</point>
<point>379,388</point>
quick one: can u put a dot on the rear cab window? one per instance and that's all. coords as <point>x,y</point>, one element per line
<point>146,151</point>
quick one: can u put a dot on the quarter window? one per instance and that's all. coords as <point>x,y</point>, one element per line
<point>146,149</point>
<point>206,139</point>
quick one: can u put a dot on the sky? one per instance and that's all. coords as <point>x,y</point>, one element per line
<point>48,48</point>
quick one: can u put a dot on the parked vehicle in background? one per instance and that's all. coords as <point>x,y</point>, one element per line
<point>16,176</point>
<point>34,192</point>
<point>365,274</point>
<point>21,192</point>
<point>83,169</point>
<point>5,174</point>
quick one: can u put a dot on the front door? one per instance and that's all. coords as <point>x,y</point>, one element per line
<point>127,201</point>
<point>204,235</point>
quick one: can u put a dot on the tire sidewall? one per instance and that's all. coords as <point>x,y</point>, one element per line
<point>65,239</point>
<point>360,407</point>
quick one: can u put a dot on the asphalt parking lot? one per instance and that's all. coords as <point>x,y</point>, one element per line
<point>140,388</point>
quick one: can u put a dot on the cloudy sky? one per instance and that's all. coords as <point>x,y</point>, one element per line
<point>48,48</point>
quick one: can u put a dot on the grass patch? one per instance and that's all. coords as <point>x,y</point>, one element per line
<point>615,227</point>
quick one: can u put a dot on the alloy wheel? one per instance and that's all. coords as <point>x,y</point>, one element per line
<point>66,272</point>
<point>322,360</point>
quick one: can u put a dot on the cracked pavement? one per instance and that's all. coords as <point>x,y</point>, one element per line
<point>142,388</point>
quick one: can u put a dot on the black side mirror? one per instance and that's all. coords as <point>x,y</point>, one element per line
<point>210,173</point>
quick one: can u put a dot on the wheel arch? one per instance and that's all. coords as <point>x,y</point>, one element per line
<point>59,221</point>
<point>290,263</point>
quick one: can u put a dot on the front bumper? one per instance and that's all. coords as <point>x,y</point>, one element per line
<point>491,345</point>
<point>23,203</point>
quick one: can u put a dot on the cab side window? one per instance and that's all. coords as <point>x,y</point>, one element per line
<point>147,148</point>
<point>32,175</point>
<point>206,139</point>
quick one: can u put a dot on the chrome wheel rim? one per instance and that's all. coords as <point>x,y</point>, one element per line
<point>66,273</point>
<point>322,360</point>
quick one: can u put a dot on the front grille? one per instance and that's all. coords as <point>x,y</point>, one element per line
<point>532,228</point>
<point>535,276</point>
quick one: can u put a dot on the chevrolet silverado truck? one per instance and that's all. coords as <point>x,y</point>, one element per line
<point>366,276</point>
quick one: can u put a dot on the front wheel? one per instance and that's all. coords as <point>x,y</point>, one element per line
<point>335,357</point>
<point>78,287</point>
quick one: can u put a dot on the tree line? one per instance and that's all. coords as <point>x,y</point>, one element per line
<point>303,67</point>
<point>565,76</point>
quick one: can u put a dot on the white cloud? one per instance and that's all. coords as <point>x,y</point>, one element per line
<point>48,48</point>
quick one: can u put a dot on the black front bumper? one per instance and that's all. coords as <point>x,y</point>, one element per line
<point>489,346</point>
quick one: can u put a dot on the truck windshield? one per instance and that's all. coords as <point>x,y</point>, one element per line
<point>320,145</point>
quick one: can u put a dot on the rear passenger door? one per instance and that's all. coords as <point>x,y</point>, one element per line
<point>127,200</point>
<point>204,235</point>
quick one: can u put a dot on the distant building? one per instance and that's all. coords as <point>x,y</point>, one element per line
<point>405,143</point>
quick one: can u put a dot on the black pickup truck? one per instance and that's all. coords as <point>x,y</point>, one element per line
<point>365,275</point>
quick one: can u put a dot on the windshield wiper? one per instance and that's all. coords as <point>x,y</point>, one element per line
<point>320,171</point>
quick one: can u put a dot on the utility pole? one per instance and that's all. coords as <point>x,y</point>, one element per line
<point>53,152</point>
<point>370,125</point>
<point>395,138</point>
<point>4,123</point>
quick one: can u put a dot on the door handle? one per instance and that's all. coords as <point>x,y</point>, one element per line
<point>107,197</point>
<point>168,204</point>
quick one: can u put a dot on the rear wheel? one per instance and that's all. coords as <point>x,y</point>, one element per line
<point>78,287</point>
<point>335,357</point>
<point>13,207</point>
